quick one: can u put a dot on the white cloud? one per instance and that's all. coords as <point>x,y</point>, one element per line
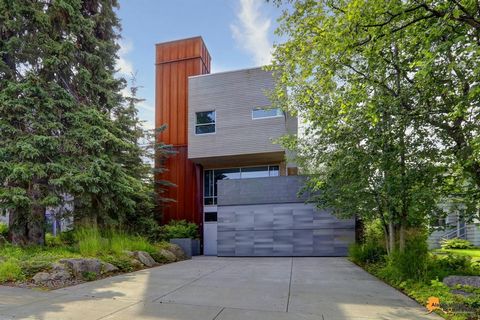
<point>146,106</point>
<point>124,66</point>
<point>251,31</point>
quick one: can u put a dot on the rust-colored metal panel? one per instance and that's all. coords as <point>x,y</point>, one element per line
<point>175,62</point>
<point>188,190</point>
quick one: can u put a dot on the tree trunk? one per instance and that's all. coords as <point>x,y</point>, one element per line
<point>401,240</point>
<point>391,234</point>
<point>35,225</point>
<point>17,227</point>
<point>387,238</point>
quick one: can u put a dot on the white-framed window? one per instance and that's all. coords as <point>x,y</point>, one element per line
<point>266,112</point>
<point>205,122</point>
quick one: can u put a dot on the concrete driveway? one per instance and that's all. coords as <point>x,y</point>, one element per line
<point>208,288</point>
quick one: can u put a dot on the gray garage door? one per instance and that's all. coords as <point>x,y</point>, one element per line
<point>264,217</point>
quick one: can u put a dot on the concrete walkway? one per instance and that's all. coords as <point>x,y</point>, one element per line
<point>208,288</point>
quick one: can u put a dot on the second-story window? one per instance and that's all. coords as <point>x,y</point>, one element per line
<point>205,122</point>
<point>260,113</point>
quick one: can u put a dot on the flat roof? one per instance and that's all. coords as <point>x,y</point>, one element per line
<point>223,72</point>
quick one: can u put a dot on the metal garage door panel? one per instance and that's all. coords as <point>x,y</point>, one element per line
<point>294,229</point>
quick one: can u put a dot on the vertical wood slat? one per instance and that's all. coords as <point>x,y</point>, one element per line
<point>175,62</point>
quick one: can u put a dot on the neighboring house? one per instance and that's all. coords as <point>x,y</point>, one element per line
<point>230,176</point>
<point>454,227</point>
<point>57,219</point>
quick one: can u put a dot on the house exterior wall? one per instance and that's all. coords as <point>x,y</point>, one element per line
<point>473,233</point>
<point>233,95</point>
<point>175,61</point>
<point>264,217</point>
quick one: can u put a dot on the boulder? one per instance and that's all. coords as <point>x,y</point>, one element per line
<point>45,278</point>
<point>81,266</point>
<point>177,251</point>
<point>136,264</point>
<point>108,268</point>
<point>145,258</point>
<point>166,256</point>
<point>472,281</point>
<point>59,267</point>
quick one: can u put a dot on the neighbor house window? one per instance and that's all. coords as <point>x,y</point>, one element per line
<point>259,113</point>
<point>205,122</point>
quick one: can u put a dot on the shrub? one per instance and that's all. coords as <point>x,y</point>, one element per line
<point>180,229</point>
<point>412,263</point>
<point>121,241</point>
<point>373,233</point>
<point>124,263</point>
<point>52,241</point>
<point>456,243</point>
<point>68,237</point>
<point>31,267</point>
<point>366,253</point>
<point>10,270</point>
<point>89,241</point>
<point>89,275</point>
<point>3,230</point>
<point>442,266</point>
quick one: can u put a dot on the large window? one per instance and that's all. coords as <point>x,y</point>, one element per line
<point>205,122</point>
<point>260,113</point>
<point>211,177</point>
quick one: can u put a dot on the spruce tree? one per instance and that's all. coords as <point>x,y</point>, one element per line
<point>64,124</point>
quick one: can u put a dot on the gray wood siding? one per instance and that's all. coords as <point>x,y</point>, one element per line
<point>233,95</point>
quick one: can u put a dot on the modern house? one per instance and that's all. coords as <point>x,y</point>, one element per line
<point>229,175</point>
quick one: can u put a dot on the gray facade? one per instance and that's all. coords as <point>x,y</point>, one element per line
<point>233,95</point>
<point>264,217</point>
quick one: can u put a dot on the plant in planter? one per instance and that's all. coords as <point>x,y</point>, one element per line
<point>183,234</point>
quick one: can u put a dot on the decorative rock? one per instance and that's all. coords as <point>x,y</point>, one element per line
<point>463,293</point>
<point>59,267</point>
<point>452,281</point>
<point>166,256</point>
<point>47,277</point>
<point>108,268</point>
<point>80,266</point>
<point>136,264</point>
<point>145,258</point>
<point>177,251</point>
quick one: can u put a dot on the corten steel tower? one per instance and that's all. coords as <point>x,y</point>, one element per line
<point>176,61</point>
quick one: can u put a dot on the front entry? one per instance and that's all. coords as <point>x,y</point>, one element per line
<point>210,233</point>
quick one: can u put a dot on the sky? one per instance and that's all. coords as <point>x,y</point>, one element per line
<point>237,33</point>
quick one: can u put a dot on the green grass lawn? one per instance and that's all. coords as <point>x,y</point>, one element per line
<point>473,253</point>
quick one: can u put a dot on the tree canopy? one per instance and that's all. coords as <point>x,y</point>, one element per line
<point>67,132</point>
<point>389,92</point>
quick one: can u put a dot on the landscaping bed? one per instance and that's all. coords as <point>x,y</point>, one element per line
<point>83,255</point>
<point>450,275</point>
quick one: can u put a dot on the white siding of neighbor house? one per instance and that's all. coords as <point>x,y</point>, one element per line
<point>473,234</point>
<point>233,95</point>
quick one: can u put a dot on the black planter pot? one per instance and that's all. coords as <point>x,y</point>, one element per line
<point>191,247</point>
